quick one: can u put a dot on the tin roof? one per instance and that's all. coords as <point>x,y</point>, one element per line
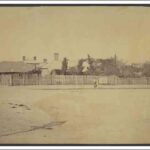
<point>18,67</point>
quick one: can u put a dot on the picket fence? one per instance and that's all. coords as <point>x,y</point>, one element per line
<point>73,80</point>
<point>81,80</point>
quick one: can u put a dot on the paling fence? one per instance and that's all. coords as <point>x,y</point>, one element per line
<point>83,80</point>
<point>26,80</point>
<point>16,79</point>
<point>67,79</point>
<point>72,80</point>
<point>128,81</point>
<point>5,80</point>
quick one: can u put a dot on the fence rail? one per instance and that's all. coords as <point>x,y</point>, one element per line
<point>73,79</point>
<point>83,80</point>
<point>67,79</point>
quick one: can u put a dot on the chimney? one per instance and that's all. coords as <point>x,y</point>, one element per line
<point>44,60</point>
<point>34,58</point>
<point>56,56</point>
<point>23,58</point>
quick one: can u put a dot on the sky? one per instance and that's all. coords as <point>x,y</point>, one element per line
<point>75,31</point>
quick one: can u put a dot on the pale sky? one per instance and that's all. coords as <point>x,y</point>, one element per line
<point>75,32</point>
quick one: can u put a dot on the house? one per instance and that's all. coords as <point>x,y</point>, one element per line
<point>18,73</point>
<point>51,68</point>
<point>54,67</point>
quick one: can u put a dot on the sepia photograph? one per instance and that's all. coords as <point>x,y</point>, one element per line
<point>75,74</point>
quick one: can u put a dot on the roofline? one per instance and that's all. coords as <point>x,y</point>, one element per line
<point>20,72</point>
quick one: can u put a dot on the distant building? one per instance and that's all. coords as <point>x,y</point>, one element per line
<point>34,62</point>
<point>53,67</point>
<point>40,65</point>
<point>16,73</point>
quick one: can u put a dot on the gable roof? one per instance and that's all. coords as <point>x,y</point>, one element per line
<point>18,67</point>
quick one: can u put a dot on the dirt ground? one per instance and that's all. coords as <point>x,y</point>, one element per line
<point>74,115</point>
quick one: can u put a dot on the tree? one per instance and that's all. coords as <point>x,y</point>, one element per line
<point>64,66</point>
<point>80,66</point>
<point>127,71</point>
<point>146,69</point>
<point>92,65</point>
<point>72,70</point>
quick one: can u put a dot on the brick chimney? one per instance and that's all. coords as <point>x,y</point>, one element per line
<point>44,60</point>
<point>23,58</point>
<point>56,56</point>
<point>34,58</point>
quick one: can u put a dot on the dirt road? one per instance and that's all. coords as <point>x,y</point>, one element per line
<point>89,115</point>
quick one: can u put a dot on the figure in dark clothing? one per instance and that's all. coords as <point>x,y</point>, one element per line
<point>95,84</point>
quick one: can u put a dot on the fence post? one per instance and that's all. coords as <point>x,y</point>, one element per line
<point>12,82</point>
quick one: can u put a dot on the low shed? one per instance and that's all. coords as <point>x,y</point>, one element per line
<point>18,73</point>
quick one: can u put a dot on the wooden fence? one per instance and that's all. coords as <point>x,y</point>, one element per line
<point>5,79</point>
<point>67,79</point>
<point>72,80</point>
<point>83,80</point>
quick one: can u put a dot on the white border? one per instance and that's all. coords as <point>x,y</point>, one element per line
<point>75,2</point>
<point>75,147</point>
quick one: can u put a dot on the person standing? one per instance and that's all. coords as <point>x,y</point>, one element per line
<point>95,83</point>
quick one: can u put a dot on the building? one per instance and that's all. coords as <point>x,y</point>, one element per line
<point>54,67</point>
<point>18,73</point>
<point>38,64</point>
<point>51,68</point>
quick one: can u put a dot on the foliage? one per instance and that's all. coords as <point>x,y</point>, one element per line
<point>109,66</point>
<point>80,67</point>
<point>146,69</point>
<point>64,66</point>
